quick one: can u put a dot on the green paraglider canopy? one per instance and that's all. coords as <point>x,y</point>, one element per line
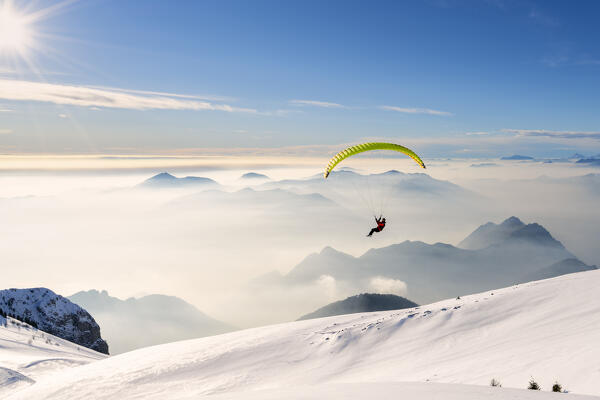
<point>360,148</point>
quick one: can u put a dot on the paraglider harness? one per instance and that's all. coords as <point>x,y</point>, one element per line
<point>380,225</point>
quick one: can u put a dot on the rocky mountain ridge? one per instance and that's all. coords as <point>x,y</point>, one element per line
<point>53,314</point>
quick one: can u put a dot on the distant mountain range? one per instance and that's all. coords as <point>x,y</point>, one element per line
<point>166,180</point>
<point>594,161</point>
<point>146,321</point>
<point>517,157</point>
<point>484,165</point>
<point>365,302</point>
<point>494,255</point>
<point>254,176</point>
<point>260,198</point>
<point>400,183</point>
<point>53,314</point>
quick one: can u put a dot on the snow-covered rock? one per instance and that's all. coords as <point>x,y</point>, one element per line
<point>54,314</point>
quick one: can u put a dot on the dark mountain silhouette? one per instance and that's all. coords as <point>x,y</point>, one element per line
<point>502,255</point>
<point>594,161</point>
<point>511,230</point>
<point>146,321</point>
<point>254,176</point>
<point>517,157</point>
<point>491,233</point>
<point>166,180</point>
<point>366,302</point>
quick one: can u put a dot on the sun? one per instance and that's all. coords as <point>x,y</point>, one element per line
<point>15,32</point>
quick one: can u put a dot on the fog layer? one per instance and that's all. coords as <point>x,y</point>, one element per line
<point>217,247</point>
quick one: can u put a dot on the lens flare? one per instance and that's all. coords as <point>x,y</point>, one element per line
<point>15,34</point>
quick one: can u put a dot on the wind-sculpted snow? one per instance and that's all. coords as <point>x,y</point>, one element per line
<point>394,391</point>
<point>28,354</point>
<point>545,329</point>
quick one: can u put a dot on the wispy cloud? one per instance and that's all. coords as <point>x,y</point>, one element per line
<point>5,110</point>
<point>107,98</point>
<point>279,112</point>
<point>166,94</point>
<point>481,133</point>
<point>5,131</point>
<point>554,134</point>
<point>416,110</point>
<point>315,103</point>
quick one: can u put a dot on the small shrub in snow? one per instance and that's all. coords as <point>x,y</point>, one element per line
<point>533,385</point>
<point>495,383</point>
<point>557,387</point>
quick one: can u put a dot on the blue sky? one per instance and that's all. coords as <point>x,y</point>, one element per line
<point>453,78</point>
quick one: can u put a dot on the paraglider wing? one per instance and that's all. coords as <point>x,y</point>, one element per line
<point>360,148</point>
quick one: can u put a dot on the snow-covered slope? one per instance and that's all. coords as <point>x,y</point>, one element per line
<point>548,330</point>
<point>395,391</point>
<point>28,354</point>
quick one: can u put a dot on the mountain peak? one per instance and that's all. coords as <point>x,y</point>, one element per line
<point>510,231</point>
<point>535,233</point>
<point>254,175</point>
<point>365,302</point>
<point>163,175</point>
<point>512,222</point>
<point>328,250</point>
<point>166,180</point>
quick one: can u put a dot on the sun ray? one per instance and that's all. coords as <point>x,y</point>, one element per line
<point>50,11</point>
<point>15,31</point>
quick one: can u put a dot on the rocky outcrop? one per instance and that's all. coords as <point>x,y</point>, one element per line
<point>54,314</point>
